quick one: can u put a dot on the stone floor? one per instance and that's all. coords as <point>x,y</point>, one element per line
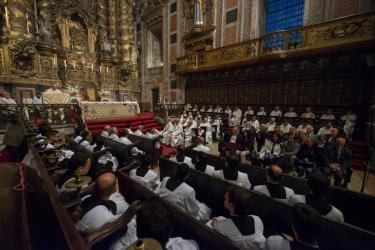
<point>355,184</point>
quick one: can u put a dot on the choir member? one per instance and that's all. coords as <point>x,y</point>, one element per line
<point>291,113</point>
<point>350,119</point>
<point>308,114</point>
<point>276,112</point>
<point>319,188</point>
<point>105,205</point>
<point>249,111</point>
<point>144,174</point>
<point>326,130</point>
<point>181,157</point>
<point>273,188</point>
<point>106,131</point>
<point>246,231</point>
<point>261,112</point>
<point>176,191</point>
<point>167,131</point>
<point>177,133</point>
<point>201,147</point>
<point>200,164</point>
<point>139,131</point>
<point>328,115</point>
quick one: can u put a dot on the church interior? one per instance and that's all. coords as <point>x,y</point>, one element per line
<point>187,124</point>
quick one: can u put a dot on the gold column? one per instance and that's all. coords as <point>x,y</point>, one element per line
<point>102,19</point>
<point>112,26</point>
<point>124,31</point>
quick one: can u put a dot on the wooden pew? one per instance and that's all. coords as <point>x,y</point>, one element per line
<point>274,214</point>
<point>185,225</point>
<point>119,150</point>
<point>356,207</point>
<point>145,144</point>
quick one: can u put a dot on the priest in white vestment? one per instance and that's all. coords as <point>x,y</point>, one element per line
<point>167,132</point>
<point>177,133</point>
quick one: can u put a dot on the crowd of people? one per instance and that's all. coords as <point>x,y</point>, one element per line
<point>106,204</point>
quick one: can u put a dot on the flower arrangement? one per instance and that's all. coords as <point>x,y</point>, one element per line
<point>72,89</point>
<point>104,92</point>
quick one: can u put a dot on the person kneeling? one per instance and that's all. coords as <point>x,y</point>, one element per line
<point>176,191</point>
<point>246,231</point>
<point>104,206</point>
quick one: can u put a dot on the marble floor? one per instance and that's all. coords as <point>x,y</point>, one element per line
<point>355,184</point>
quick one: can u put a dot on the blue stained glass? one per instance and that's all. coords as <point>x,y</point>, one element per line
<point>284,14</point>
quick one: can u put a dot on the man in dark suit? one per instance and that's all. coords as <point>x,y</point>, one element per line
<point>340,162</point>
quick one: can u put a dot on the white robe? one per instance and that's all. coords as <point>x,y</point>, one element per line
<point>328,117</point>
<point>67,155</point>
<point>100,215</point>
<point>109,157</point>
<point>285,128</point>
<point>242,179</point>
<point>189,133</point>
<point>227,228</point>
<point>308,115</point>
<point>237,114</point>
<point>202,148</point>
<point>261,113</point>
<point>167,131</point>
<point>324,131</point>
<point>276,113</point>
<point>248,112</point>
<point>138,133</point>
<point>184,197</point>
<point>334,214</point>
<point>264,190</point>
<point>255,124</point>
<point>350,121</point>
<point>177,135</point>
<point>290,115</point>
<point>77,139</point>
<point>150,180</point>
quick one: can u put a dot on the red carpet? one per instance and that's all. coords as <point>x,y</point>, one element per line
<point>167,149</point>
<point>145,118</point>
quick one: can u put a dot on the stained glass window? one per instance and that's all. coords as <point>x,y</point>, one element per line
<point>284,14</point>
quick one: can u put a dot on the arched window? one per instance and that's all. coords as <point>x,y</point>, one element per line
<point>284,14</point>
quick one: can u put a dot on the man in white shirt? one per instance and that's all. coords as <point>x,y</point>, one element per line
<point>106,131</point>
<point>291,113</point>
<point>255,123</point>
<point>104,206</point>
<point>285,127</point>
<point>273,188</point>
<point>139,130</point>
<point>307,227</point>
<point>350,119</point>
<point>328,115</point>
<point>308,114</point>
<point>249,111</point>
<point>271,125</point>
<point>37,99</point>
<point>6,99</point>
<point>276,112</point>
<point>326,130</point>
<point>261,112</point>
<point>201,147</point>
<point>237,114</point>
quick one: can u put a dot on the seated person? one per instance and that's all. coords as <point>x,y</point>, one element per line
<point>249,111</point>
<point>104,206</point>
<point>340,162</point>
<point>285,126</point>
<point>319,187</point>
<point>307,227</point>
<point>106,131</point>
<point>88,141</point>
<point>273,188</point>
<point>51,141</point>
<point>125,140</point>
<point>276,112</point>
<point>271,125</point>
<point>261,112</point>
<point>176,191</point>
<point>181,157</point>
<point>108,157</point>
<point>255,123</point>
<point>201,147</point>
<point>350,120</point>
<point>259,147</point>
<point>291,113</point>
<point>326,130</point>
<point>308,114</point>
<point>305,158</point>
<point>288,150</point>
<point>328,115</point>
<point>246,231</point>
<point>139,130</point>
<point>154,220</point>
<point>231,173</point>
<point>167,131</point>
<point>322,155</point>
<point>273,150</point>
<point>177,133</point>
<point>79,164</point>
<point>77,135</point>
<point>236,136</point>
<point>310,133</point>
<point>113,134</point>
<point>200,164</point>
<point>144,174</point>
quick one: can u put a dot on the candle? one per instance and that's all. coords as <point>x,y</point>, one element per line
<point>27,24</point>
<point>92,66</point>
<point>54,61</point>
<point>107,70</point>
<point>100,69</point>
<point>74,65</point>
<point>65,63</point>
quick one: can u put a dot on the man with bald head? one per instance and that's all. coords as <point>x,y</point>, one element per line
<point>340,162</point>
<point>105,205</point>
<point>273,188</point>
<point>201,147</point>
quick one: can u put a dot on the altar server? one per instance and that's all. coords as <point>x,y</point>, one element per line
<point>181,157</point>
<point>231,173</point>
<point>177,133</point>
<point>176,191</point>
<point>188,134</point>
<point>319,187</point>
<point>104,206</point>
<point>200,164</point>
<point>144,174</point>
<point>167,131</point>
<point>246,231</point>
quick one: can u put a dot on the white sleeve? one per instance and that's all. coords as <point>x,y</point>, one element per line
<point>191,204</point>
<point>277,242</point>
<point>128,238</point>
<point>121,204</point>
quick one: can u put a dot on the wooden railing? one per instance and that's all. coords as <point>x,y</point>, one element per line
<point>32,115</point>
<point>343,31</point>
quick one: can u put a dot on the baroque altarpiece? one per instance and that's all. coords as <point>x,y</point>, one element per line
<point>86,45</point>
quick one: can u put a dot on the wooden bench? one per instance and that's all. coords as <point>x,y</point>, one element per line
<point>274,214</point>
<point>356,207</point>
<point>185,225</point>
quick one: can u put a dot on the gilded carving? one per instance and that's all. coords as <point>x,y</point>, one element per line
<point>23,55</point>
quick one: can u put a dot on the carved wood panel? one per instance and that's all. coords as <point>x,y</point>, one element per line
<point>328,92</point>
<point>310,92</point>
